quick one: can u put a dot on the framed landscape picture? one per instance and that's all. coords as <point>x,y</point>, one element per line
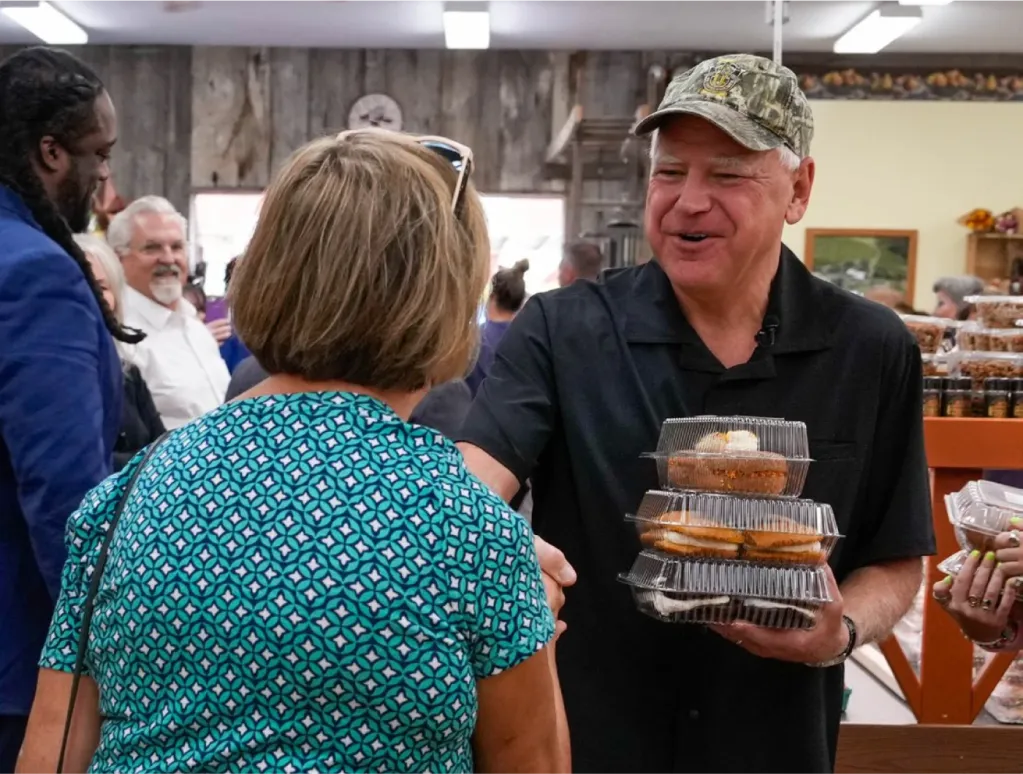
<point>861,259</point>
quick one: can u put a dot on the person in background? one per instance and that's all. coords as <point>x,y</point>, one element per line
<point>196,296</point>
<point>951,293</point>
<point>60,380</point>
<point>582,260</point>
<point>140,421</point>
<point>179,360</point>
<point>232,350</point>
<point>507,295</point>
<point>337,592</point>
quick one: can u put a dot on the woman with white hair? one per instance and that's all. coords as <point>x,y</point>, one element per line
<point>140,421</point>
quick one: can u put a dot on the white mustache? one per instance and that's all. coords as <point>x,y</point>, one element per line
<point>167,271</point>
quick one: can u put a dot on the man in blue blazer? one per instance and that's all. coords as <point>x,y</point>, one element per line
<point>60,377</point>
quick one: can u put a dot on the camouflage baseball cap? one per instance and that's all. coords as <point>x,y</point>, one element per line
<point>755,101</point>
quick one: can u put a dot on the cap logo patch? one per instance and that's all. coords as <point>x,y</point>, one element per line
<point>722,78</point>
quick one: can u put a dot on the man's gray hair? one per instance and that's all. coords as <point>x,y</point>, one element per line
<point>787,156</point>
<point>122,227</point>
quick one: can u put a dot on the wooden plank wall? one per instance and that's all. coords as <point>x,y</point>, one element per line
<point>152,89</point>
<point>252,107</point>
<point>227,117</point>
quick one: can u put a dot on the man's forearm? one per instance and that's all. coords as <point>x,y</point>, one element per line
<point>877,597</point>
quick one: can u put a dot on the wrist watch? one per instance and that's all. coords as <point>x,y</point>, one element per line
<point>1009,634</point>
<point>849,648</point>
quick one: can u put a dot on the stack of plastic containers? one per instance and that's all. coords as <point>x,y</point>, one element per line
<point>727,538</point>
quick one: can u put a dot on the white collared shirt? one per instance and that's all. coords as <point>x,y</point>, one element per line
<point>179,359</point>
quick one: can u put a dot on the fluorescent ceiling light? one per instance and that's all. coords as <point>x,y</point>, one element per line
<point>46,23</point>
<point>880,28</point>
<point>467,29</point>
<point>924,2</point>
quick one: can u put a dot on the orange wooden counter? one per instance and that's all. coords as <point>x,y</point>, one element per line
<point>958,451</point>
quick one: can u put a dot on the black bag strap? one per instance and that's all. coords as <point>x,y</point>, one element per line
<point>90,598</point>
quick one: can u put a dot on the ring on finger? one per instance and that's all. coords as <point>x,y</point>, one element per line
<point>973,601</point>
<point>987,604</point>
<point>1014,539</point>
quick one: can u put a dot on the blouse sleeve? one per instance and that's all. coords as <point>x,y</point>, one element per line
<point>504,601</point>
<point>84,538</point>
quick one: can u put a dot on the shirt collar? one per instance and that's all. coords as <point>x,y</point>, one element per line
<point>155,315</point>
<point>796,301</point>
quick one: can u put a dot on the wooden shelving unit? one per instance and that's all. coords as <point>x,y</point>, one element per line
<point>990,256</point>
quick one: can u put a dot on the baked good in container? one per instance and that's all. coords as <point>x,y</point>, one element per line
<point>998,311</point>
<point>989,365</point>
<point>730,462</point>
<point>785,541</point>
<point>686,534</point>
<point>929,331</point>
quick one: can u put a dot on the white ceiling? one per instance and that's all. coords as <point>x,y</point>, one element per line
<point>964,26</point>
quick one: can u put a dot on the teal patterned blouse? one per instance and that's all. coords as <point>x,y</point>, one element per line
<point>298,583</point>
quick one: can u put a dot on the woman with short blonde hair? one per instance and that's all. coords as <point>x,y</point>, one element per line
<point>301,580</point>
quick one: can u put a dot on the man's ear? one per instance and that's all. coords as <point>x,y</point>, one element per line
<point>52,156</point>
<point>802,186</point>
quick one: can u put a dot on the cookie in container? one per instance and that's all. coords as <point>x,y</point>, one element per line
<point>679,590</point>
<point>981,511</point>
<point>703,525</point>
<point>733,455</point>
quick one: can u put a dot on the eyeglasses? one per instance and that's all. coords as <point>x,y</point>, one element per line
<point>460,158</point>
<point>457,155</point>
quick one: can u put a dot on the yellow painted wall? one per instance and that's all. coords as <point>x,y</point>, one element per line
<point>914,165</point>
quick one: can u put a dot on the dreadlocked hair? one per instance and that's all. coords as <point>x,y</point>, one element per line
<point>48,92</point>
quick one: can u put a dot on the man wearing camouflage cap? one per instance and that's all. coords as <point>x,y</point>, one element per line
<point>727,321</point>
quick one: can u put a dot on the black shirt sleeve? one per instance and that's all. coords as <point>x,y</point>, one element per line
<point>898,522</point>
<point>515,410</point>
<point>147,410</point>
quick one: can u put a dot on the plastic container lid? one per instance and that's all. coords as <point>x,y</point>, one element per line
<point>766,530</point>
<point>682,591</point>
<point>982,510</point>
<point>745,455</point>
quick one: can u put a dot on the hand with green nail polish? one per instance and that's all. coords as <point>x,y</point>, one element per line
<point>982,596</point>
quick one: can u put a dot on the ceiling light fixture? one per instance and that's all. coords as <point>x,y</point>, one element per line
<point>880,28</point>
<point>924,2</point>
<point>468,27</point>
<point>45,22</point>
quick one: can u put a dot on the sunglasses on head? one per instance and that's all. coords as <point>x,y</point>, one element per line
<point>457,155</point>
<point>460,158</point>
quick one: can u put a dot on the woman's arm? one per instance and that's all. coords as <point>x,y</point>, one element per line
<point>45,731</point>
<point>519,728</point>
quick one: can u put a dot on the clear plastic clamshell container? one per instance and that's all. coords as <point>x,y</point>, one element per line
<point>733,455</point>
<point>982,510</point>
<point>975,338</point>
<point>929,331</point>
<point>953,564</point>
<point>998,311</point>
<point>676,590</point>
<point>989,365</point>
<point>716,526</point>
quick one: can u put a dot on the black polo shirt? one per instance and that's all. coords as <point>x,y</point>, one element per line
<point>578,391</point>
